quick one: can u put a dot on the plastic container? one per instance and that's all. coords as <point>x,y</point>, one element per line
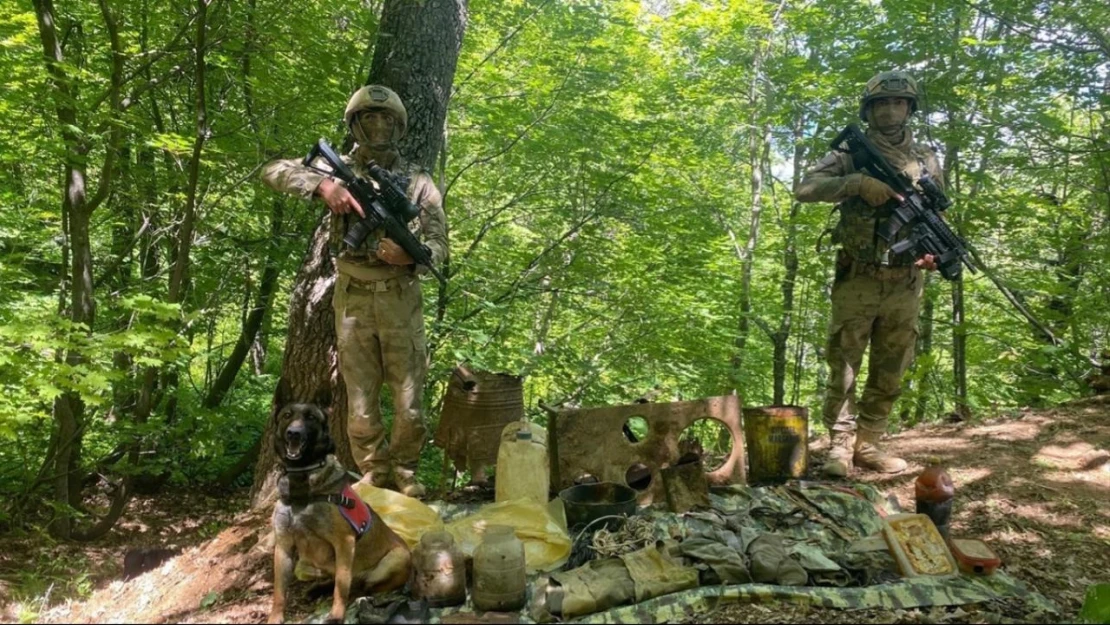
<point>777,439</point>
<point>523,470</point>
<point>440,577</point>
<point>500,583</point>
<point>917,546</point>
<point>974,556</point>
<point>933,492</point>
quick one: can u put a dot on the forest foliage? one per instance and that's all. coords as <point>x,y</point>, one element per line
<point>617,179</point>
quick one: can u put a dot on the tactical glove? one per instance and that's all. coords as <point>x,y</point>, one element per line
<point>874,191</point>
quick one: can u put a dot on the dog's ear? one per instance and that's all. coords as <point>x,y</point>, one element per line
<point>324,443</point>
<point>279,436</point>
<point>283,393</point>
<point>323,398</point>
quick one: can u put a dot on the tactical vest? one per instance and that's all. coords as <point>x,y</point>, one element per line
<point>857,230</point>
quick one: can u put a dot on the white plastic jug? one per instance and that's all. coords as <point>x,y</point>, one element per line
<point>523,471</point>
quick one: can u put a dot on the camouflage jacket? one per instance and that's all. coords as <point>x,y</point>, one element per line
<point>290,176</point>
<point>833,180</point>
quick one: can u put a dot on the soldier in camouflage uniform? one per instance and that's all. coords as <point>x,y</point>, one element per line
<point>379,320</point>
<point>876,294</point>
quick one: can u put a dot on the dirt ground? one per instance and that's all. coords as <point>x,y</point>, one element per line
<point>1035,486</point>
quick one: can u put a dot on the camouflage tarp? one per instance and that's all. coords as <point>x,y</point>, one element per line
<point>822,520</point>
<point>908,594</point>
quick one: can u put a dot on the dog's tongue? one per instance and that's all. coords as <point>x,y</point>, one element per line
<point>293,450</point>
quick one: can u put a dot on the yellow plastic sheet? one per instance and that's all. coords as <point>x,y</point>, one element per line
<point>541,527</point>
<point>408,517</point>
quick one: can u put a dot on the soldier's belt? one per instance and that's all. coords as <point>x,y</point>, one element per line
<point>375,286</point>
<point>365,272</point>
<point>881,272</point>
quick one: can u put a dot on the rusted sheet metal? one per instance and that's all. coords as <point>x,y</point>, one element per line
<point>589,441</point>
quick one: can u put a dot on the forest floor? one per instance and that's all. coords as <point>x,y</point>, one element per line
<point>1034,485</point>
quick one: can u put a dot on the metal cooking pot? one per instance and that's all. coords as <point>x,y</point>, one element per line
<point>588,502</point>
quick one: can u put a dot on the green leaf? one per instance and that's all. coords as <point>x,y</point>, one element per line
<point>209,600</point>
<point>1096,604</point>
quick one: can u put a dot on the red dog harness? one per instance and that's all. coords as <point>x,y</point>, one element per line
<point>355,510</point>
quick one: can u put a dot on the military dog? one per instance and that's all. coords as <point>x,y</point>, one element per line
<point>321,519</point>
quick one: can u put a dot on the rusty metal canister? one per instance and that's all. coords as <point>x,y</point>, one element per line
<point>777,439</point>
<point>477,407</point>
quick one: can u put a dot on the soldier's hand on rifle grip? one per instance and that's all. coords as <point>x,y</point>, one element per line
<point>392,253</point>
<point>927,262</point>
<point>876,192</point>
<point>338,198</point>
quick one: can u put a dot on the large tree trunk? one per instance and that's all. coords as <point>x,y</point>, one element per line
<point>417,51</point>
<point>310,369</point>
<point>416,55</point>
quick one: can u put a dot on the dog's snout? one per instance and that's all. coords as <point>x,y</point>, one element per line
<point>295,431</point>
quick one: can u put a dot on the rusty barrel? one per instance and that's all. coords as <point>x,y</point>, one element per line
<point>476,408</point>
<point>777,439</point>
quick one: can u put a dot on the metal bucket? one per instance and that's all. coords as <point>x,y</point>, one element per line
<point>476,409</point>
<point>777,439</point>
<point>588,502</point>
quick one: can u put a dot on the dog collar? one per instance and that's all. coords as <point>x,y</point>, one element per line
<point>311,467</point>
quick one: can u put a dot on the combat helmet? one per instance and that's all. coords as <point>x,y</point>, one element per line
<point>378,97</point>
<point>889,85</point>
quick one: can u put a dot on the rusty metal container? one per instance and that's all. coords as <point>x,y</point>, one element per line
<point>685,485</point>
<point>477,407</point>
<point>777,439</point>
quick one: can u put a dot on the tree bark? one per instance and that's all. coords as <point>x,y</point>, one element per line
<point>781,337</point>
<point>924,346</point>
<point>416,56</point>
<point>69,409</point>
<point>759,144</point>
<point>256,316</point>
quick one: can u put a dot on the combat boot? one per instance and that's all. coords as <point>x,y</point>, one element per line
<point>405,481</point>
<point>377,479</point>
<point>869,455</point>
<point>839,461</point>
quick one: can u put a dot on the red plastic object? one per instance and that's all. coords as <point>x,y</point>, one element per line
<point>934,485</point>
<point>933,492</point>
<point>974,556</point>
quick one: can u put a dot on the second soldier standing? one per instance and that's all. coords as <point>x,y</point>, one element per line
<point>876,294</point>
<point>379,318</point>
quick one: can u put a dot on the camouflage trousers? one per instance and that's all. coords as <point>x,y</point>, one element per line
<point>379,328</point>
<point>876,306</point>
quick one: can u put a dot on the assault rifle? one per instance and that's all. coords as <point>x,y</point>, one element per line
<point>920,210</point>
<point>386,206</point>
